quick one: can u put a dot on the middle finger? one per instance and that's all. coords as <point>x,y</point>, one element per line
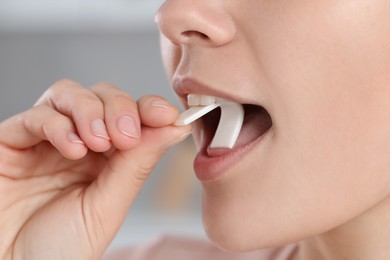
<point>121,116</point>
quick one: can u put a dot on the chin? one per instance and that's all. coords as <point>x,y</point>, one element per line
<point>236,222</point>
<point>232,239</point>
<point>232,231</point>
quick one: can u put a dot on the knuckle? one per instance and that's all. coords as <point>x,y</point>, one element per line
<point>48,131</point>
<point>147,98</point>
<point>122,99</point>
<point>151,96</point>
<point>107,84</point>
<point>55,121</point>
<point>143,171</point>
<point>54,124</point>
<point>31,118</point>
<point>32,111</point>
<point>119,103</point>
<point>140,174</point>
<point>108,90</point>
<point>52,91</point>
<point>137,172</point>
<point>58,93</point>
<point>104,85</point>
<point>87,102</point>
<point>64,84</point>
<point>28,123</point>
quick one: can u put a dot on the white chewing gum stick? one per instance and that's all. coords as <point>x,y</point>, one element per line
<point>194,113</point>
<point>232,117</point>
<point>229,127</point>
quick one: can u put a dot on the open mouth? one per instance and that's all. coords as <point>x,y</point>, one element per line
<point>257,122</point>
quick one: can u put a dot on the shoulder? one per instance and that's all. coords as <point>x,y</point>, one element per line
<point>174,247</point>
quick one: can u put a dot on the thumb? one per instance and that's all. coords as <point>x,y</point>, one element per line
<point>108,199</point>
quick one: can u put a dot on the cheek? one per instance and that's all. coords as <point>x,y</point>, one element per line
<point>328,159</point>
<point>331,94</point>
<point>335,117</point>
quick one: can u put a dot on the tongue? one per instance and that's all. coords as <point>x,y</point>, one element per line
<point>256,122</point>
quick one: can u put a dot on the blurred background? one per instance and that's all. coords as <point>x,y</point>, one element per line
<point>89,41</point>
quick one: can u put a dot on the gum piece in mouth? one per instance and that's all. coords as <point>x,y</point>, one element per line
<point>229,126</point>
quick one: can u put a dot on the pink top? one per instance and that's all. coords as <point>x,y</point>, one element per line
<point>172,248</point>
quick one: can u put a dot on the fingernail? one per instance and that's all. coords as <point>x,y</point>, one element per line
<point>128,127</point>
<point>99,129</point>
<point>178,140</point>
<point>72,137</point>
<point>162,104</point>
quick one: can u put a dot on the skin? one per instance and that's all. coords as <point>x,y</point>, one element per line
<point>65,198</point>
<point>319,176</point>
<point>321,69</point>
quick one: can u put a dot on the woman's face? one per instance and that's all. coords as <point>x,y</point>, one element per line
<point>321,69</point>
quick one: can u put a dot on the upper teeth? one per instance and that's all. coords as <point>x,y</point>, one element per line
<point>202,100</point>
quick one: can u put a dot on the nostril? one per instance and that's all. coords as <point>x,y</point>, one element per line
<point>191,22</point>
<point>194,34</point>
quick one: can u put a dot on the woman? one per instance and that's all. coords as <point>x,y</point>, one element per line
<point>310,167</point>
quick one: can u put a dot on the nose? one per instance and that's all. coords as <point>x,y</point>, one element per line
<point>195,22</point>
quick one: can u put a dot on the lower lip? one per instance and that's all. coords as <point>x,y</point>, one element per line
<point>209,168</point>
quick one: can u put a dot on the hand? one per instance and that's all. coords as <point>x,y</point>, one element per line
<point>71,166</point>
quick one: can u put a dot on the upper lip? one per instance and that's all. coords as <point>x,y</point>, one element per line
<point>186,85</point>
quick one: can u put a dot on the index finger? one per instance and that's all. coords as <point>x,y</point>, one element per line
<point>155,111</point>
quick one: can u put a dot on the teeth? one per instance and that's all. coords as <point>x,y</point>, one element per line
<point>207,100</point>
<point>193,100</point>
<point>232,116</point>
<point>202,100</point>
